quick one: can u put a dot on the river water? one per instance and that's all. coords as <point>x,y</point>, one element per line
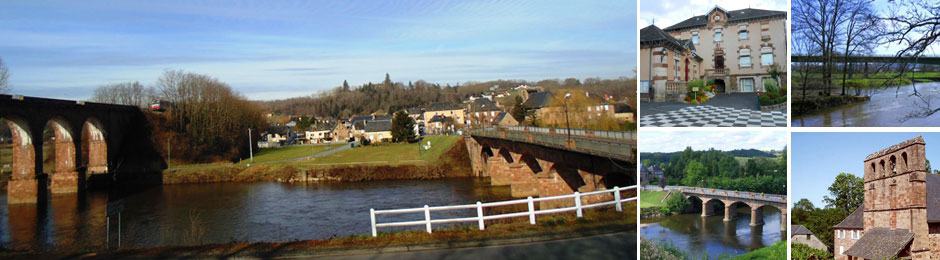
<point>699,235</point>
<point>888,107</point>
<point>191,214</point>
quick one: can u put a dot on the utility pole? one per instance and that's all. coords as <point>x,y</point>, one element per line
<point>251,152</point>
<point>567,123</point>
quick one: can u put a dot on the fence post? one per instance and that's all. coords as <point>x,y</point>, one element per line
<point>372,216</point>
<point>480,215</point>
<point>617,199</point>
<point>427,217</point>
<point>577,203</point>
<point>531,211</point>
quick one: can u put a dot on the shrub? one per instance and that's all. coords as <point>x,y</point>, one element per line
<point>655,251</point>
<point>676,203</point>
<point>771,86</point>
<point>800,251</point>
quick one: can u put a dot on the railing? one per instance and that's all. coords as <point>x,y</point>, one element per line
<point>735,194</point>
<point>719,71</point>
<point>481,217</point>
<point>619,145</point>
<point>675,87</point>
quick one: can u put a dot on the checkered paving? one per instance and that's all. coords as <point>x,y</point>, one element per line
<point>712,116</point>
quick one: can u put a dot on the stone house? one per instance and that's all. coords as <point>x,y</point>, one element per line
<point>505,119</point>
<point>378,131</point>
<point>802,235</point>
<point>667,64</point>
<point>482,112</point>
<point>901,212</point>
<point>451,110</point>
<point>738,47</point>
<point>848,232</point>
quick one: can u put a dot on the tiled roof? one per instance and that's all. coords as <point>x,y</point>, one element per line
<point>733,17</point>
<point>933,198</point>
<point>538,100</point>
<point>881,243</point>
<point>443,106</point>
<point>483,105</point>
<point>800,230</point>
<point>854,220</point>
<point>652,35</point>
<point>378,126</point>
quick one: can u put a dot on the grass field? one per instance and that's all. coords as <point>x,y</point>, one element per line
<point>392,153</point>
<point>289,153</point>
<point>650,199</point>
<point>776,251</point>
<point>873,80</point>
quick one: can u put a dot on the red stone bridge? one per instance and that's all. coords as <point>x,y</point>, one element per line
<point>547,162</point>
<point>91,142</point>
<point>730,200</point>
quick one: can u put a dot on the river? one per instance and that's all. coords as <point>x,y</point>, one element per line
<point>191,214</point>
<point>699,235</point>
<point>888,107</point>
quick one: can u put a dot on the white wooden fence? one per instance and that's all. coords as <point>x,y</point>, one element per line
<point>479,206</point>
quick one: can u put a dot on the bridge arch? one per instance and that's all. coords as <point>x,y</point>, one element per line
<point>59,159</point>
<point>570,176</point>
<point>24,186</point>
<point>530,161</point>
<point>507,156</point>
<point>94,147</point>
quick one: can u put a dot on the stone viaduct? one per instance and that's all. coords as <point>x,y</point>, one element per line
<point>90,143</point>
<point>730,200</point>
<point>546,162</point>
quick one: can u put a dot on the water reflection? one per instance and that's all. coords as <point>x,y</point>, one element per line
<point>888,107</point>
<point>190,214</point>
<point>711,235</point>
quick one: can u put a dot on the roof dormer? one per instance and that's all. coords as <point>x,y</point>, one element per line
<point>717,17</point>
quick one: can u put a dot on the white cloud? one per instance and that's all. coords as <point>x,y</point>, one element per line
<point>669,12</point>
<point>663,140</point>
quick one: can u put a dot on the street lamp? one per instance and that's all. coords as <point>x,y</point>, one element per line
<point>567,123</point>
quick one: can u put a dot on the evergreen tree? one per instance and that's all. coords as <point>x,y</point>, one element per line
<point>345,85</point>
<point>388,81</point>
<point>403,127</point>
<point>518,111</point>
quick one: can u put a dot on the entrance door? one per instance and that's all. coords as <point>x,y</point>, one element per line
<point>719,62</point>
<point>686,69</point>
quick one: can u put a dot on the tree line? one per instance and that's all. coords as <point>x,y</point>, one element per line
<point>389,96</point>
<point>205,120</point>
<point>722,170</point>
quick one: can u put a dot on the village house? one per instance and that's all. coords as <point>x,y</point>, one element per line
<point>555,115</point>
<point>452,110</point>
<point>504,119</point>
<point>802,235</point>
<point>900,216</point>
<point>482,113</point>
<point>342,132</point>
<point>377,131</point>
<point>739,48</point>
<point>667,65</point>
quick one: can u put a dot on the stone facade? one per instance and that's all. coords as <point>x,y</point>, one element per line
<point>667,64</point>
<point>726,38</point>
<point>896,198</point>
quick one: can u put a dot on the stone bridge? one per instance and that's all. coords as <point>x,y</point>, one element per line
<point>90,142</point>
<point>547,162</point>
<point>730,200</point>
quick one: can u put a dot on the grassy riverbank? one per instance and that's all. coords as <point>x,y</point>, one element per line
<point>563,225</point>
<point>447,157</point>
<point>651,199</point>
<point>657,251</point>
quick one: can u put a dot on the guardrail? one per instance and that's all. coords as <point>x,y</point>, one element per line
<point>623,135</point>
<point>619,145</point>
<point>481,217</point>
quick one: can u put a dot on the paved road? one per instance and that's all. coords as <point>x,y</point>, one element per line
<point>610,246</point>
<point>732,100</point>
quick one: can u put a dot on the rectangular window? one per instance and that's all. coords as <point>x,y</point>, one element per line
<point>718,35</point>
<point>742,35</point>
<point>747,85</point>
<point>766,59</point>
<point>744,60</point>
<point>677,69</point>
<point>695,38</point>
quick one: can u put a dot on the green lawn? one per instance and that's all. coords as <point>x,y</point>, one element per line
<point>390,153</point>
<point>874,80</point>
<point>650,199</point>
<point>776,251</point>
<point>289,153</point>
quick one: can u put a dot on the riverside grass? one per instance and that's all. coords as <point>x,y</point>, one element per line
<point>652,199</point>
<point>374,162</point>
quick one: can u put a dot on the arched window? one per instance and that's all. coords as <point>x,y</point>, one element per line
<point>894,165</point>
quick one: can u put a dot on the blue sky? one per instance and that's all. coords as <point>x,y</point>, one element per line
<point>663,140</point>
<point>817,158</point>
<point>278,49</point>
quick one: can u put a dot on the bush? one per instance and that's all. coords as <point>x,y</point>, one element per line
<point>676,203</point>
<point>771,86</point>
<point>655,251</point>
<point>800,251</point>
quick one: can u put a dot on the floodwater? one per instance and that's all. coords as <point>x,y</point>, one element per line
<point>888,107</point>
<point>711,236</point>
<point>192,214</point>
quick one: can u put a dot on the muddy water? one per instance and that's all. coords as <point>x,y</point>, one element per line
<point>191,214</point>
<point>887,107</point>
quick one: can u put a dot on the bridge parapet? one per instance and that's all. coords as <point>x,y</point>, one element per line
<point>618,145</point>
<point>773,198</point>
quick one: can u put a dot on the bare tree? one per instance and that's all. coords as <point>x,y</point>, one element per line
<point>4,78</point>
<point>860,32</point>
<point>819,21</point>
<point>127,93</point>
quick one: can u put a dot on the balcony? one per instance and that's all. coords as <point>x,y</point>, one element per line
<point>716,72</point>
